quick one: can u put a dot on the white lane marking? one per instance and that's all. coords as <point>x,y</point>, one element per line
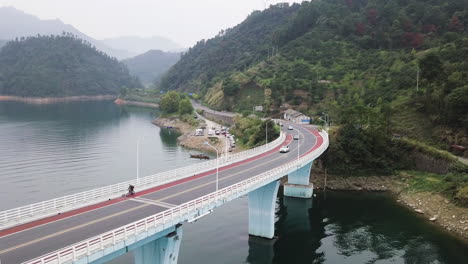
<point>154,202</point>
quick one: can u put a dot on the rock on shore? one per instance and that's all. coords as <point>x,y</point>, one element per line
<point>188,138</point>
<point>125,102</point>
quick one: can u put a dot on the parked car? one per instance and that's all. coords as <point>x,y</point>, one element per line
<point>199,132</point>
<point>284,149</point>
<point>296,137</point>
<point>217,132</point>
<point>281,124</point>
<point>290,128</point>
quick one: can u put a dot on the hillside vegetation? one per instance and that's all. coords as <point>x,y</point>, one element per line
<point>330,55</point>
<point>53,66</point>
<point>380,69</point>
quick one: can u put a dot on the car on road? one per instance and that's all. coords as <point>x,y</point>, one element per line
<point>296,137</point>
<point>290,128</point>
<point>284,149</point>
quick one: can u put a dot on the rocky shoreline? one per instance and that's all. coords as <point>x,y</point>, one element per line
<point>187,139</point>
<point>53,100</point>
<point>432,206</point>
<point>119,101</point>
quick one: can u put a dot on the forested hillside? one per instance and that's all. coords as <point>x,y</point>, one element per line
<point>233,49</point>
<point>49,66</point>
<point>357,60</point>
<point>150,65</point>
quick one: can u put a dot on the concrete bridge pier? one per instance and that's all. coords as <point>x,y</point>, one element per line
<point>164,250</point>
<point>298,184</point>
<point>262,202</point>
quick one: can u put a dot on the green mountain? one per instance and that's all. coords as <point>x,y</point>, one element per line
<point>48,66</point>
<point>336,52</point>
<point>149,66</point>
<point>377,68</point>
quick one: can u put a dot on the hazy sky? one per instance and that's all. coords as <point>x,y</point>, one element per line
<point>184,21</point>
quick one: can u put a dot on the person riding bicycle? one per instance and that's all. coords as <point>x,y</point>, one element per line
<point>131,189</point>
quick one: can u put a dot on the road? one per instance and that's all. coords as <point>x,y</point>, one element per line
<point>26,242</point>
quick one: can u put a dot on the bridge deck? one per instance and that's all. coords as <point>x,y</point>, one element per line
<point>35,239</point>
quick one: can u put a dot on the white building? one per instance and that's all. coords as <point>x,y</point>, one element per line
<point>296,117</point>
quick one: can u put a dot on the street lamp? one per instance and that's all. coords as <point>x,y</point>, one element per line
<point>327,121</point>
<point>217,162</point>
<point>138,158</point>
<point>298,146</point>
<point>266,132</point>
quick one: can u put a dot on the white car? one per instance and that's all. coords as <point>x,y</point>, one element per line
<point>290,128</point>
<point>284,149</point>
<point>296,137</point>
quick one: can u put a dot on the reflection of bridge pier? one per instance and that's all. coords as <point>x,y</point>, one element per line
<point>261,250</point>
<point>297,214</point>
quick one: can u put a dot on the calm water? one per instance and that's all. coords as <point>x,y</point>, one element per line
<point>47,151</point>
<point>68,148</point>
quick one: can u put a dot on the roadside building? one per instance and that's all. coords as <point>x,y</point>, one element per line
<point>296,117</point>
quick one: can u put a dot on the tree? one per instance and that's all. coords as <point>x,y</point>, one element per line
<point>170,102</point>
<point>185,107</point>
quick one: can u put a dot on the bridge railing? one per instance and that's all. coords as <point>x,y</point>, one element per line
<point>172,216</point>
<point>47,208</point>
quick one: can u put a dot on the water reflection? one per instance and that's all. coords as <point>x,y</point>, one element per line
<point>344,228</point>
<point>48,151</point>
<point>169,137</point>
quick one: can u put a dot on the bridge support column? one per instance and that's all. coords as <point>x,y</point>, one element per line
<point>262,203</point>
<point>298,184</point>
<point>164,250</point>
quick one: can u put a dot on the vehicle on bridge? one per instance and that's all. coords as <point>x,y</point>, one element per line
<point>284,149</point>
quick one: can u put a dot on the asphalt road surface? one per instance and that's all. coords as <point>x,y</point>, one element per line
<point>27,242</point>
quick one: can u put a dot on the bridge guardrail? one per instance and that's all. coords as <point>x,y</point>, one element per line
<point>20,215</point>
<point>172,216</point>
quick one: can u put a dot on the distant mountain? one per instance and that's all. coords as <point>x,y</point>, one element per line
<point>140,45</point>
<point>55,66</point>
<point>150,65</point>
<point>15,24</point>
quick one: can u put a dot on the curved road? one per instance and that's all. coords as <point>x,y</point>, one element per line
<point>29,241</point>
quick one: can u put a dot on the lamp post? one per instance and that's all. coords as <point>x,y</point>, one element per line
<point>138,159</point>
<point>327,120</point>
<point>298,138</point>
<point>217,162</point>
<point>266,132</point>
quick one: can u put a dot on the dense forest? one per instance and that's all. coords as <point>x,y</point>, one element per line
<point>149,66</point>
<point>391,75</point>
<point>49,66</point>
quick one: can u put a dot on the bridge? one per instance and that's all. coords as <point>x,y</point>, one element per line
<point>98,225</point>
